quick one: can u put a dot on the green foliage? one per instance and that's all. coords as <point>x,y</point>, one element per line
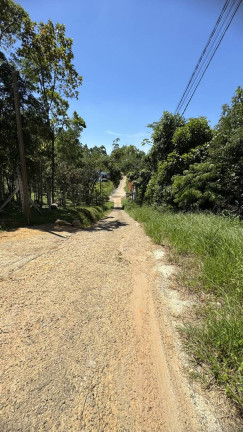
<point>140,178</point>
<point>216,245</point>
<point>79,167</point>
<point>33,124</point>
<point>195,133</point>
<point>127,158</point>
<point>197,188</point>
<point>152,191</point>
<point>46,59</point>
<point>13,19</point>
<point>216,182</point>
<point>68,148</point>
<point>218,343</point>
<point>226,152</point>
<point>56,159</point>
<point>192,167</point>
<point>160,187</point>
<point>115,144</point>
<point>162,136</point>
<point>188,142</point>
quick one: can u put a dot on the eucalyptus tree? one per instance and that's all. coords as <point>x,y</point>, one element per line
<point>69,156</point>
<point>34,127</point>
<point>13,19</point>
<point>46,59</point>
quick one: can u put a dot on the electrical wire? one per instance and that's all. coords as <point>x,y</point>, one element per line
<point>203,52</point>
<point>213,43</point>
<point>211,51</point>
<point>210,60</point>
<point>213,54</point>
<point>206,56</point>
<point>206,52</point>
<point>211,46</point>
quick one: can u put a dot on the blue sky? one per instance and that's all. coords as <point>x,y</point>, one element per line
<point>136,57</point>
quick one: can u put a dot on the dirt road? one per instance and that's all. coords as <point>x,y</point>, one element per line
<point>86,338</point>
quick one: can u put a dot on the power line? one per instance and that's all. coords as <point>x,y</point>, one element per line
<point>223,22</point>
<point>217,32</point>
<point>203,53</point>
<point>209,55</point>
<point>202,63</point>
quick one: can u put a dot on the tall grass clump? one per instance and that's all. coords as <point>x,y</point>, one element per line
<point>216,245</point>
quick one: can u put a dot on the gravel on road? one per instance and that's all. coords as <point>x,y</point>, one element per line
<point>86,339</point>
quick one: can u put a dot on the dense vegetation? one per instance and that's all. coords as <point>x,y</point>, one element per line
<point>193,167</point>
<point>59,167</point>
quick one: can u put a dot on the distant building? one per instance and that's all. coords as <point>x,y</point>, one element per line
<point>104,176</point>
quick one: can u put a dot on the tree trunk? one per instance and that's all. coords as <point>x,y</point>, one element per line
<point>53,168</point>
<point>1,185</point>
<point>48,196</point>
<point>41,186</point>
<point>64,198</point>
<point>8,184</point>
<point>26,203</point>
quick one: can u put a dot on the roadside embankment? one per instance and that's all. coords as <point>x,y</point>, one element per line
<point>87,215</point>
<point>209,250</point>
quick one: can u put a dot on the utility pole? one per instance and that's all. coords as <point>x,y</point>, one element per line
<point>26,202</point>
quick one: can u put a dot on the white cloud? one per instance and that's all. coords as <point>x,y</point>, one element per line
<point>132,136</point>
<point>112,133</point>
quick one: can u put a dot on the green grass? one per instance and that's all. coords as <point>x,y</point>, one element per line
<point>211,248</point>
<point>106,188</point>
<point>126,187</point>
<point>86,214</point>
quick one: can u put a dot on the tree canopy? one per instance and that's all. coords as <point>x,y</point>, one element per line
<point>193,167</point>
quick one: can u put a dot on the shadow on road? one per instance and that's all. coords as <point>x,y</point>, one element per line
<point>103,224</point>
<point>60,231</point>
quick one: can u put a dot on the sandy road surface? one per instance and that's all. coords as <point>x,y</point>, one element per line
<point>86,344</point>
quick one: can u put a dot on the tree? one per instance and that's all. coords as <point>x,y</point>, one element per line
<point>226,152</point>
<point>13,19</point>
<point>67,144</point>
<point>127,158</point>
<point>190,146</point>
<point>196,132</point>
<point>198,188</point>
<point>216,182</point>
<point>115,144</point>
<point>162,136</point>
<point>34,127</point>
<point>95,161</point>
<point>69,156</point>
<point>46,58</point>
